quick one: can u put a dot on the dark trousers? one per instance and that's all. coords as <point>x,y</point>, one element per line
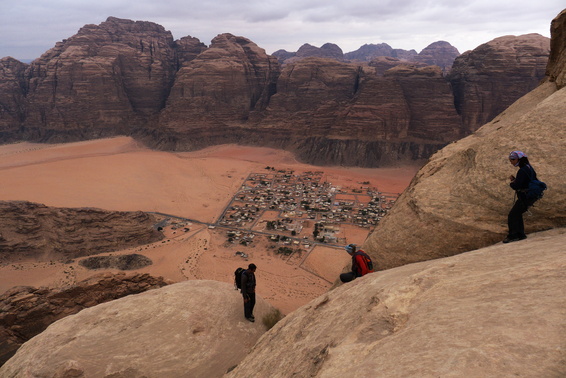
<point>347,277</point>
<point>515,218</point>
<point>249,305</point>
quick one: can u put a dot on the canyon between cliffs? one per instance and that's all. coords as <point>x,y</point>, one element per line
<point>448,300</point>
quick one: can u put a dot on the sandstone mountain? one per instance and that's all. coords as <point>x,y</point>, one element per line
<point>460,199</point>
<point>367,53</point>
<point>494,312</point>
<point>131,78</point>
<point>188,329</point>
<point>48,233</point>
<point>441,54</point>
<point>27,311</point>
<point>492,76</point>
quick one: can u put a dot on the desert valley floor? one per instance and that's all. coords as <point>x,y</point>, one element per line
<point>120,174</point>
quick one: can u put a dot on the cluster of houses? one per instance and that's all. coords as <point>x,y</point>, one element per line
<point>282,202</point>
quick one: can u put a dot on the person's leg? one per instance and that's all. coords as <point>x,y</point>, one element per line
<point>347,277</point>
<point>247,312</point>
<point>252,305</point>
<point>515,221</point>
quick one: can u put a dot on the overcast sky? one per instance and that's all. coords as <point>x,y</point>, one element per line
<point>28,28</point>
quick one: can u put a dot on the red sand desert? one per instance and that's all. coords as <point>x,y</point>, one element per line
<point>120,174</point>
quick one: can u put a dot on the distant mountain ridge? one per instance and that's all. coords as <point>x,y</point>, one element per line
<point>131,78</point>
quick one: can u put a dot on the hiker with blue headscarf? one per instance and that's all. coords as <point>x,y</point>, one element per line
<point>520,184</point>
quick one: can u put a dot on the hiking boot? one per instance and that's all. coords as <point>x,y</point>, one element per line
<point>510,239</point>
<point>251,319</point>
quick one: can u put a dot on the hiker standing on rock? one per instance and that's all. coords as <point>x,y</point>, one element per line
<point>520,184</point>
<point>361,264</point>
<point>248,291</point>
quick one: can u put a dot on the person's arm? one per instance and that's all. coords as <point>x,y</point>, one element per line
<point>521,181</point>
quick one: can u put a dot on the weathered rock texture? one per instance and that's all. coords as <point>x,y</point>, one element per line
<point>557,59</point>
<point>27,311</point>
<point>494,75</point>
<point>121,262</point>
<point>495,312</point>
<point>49,233</point>
<point>460,199</point>
<point>189,329</point>
<point>131,78</point>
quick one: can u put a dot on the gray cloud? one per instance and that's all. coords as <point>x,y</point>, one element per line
<point>28,28</point>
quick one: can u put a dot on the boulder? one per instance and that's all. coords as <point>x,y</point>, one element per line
<point>27,311</point>
<point>188,329</point>
<point>494,312</point>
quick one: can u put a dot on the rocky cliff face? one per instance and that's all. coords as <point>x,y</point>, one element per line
<point>494,312</point>
<point>494,75</point>
<point>131,78</point>
<point>460,199</point>
<point>13,90</point>
<point>28,311</point>
<point>188,329</point>
<point>105,80</point>
<point>45,233</point>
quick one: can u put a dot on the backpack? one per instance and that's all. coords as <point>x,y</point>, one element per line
<point>366,259</point>
<point>238,278</point>
<point>535,190</point>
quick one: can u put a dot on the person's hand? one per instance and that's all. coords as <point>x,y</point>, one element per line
<point>512,178</point>
<point>246,298</point>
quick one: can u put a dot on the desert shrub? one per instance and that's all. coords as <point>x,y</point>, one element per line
<point>272,318</point>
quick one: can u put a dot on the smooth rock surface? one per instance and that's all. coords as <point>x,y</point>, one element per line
<point>495,312</point>
<point>27,311</point>
<point>188,329</point>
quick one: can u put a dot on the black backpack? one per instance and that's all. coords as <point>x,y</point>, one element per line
<point>536,189</point>
<point>238,278</point>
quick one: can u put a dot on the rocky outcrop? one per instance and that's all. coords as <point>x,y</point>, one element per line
<point>49,233</point>
<point>122,262</point>
<point>557,60</point>
<point>494,312</point>
<point>441,54</point>
<point>460,199</point>
<point>494,75</point>
<point>189,329</point>
<point>27,311</point>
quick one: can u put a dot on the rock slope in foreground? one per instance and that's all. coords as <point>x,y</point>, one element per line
<point>494,312</point>
<point>189,329</point>
<point>26,311</point>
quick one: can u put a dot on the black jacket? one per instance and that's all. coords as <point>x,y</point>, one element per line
<point>521,183</point>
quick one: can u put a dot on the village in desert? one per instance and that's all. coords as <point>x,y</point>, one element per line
<point>219,209</point>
